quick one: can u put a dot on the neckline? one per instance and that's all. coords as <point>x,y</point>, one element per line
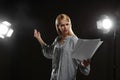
<point>64,41</point>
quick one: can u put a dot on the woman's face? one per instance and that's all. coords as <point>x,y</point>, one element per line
<point>64,27</point>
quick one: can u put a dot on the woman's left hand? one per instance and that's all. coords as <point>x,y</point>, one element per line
<point>85,63</point>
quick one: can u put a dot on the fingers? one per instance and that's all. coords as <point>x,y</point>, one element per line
<point>37,34</point>
<point>85,62</point>
<point>35,31</point>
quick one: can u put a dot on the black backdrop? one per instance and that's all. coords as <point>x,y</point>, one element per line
<point>21,57</point>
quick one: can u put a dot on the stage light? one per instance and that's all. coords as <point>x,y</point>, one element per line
<point>105,24</point>
<point>5,29</point>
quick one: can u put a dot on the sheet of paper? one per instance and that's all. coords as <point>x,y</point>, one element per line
<point>85,48</point>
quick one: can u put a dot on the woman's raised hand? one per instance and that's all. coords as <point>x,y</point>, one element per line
<point>37,34</point>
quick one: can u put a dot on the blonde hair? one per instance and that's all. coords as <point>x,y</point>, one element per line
<point>63,17</point>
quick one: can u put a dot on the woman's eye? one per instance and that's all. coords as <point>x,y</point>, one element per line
<point>57,25</point>
<point>62,25</point>
<point>67,24</point>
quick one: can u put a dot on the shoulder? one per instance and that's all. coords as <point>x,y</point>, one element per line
<point>73,38</point>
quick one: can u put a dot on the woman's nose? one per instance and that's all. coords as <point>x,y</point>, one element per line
<point>65,27</point>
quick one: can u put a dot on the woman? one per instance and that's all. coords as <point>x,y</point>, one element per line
<point>64,67</point>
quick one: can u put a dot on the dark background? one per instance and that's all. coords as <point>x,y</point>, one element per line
<point>21,57</point>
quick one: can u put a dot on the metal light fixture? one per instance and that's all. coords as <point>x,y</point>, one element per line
<point>5,29</point>
<point>105,24</point>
